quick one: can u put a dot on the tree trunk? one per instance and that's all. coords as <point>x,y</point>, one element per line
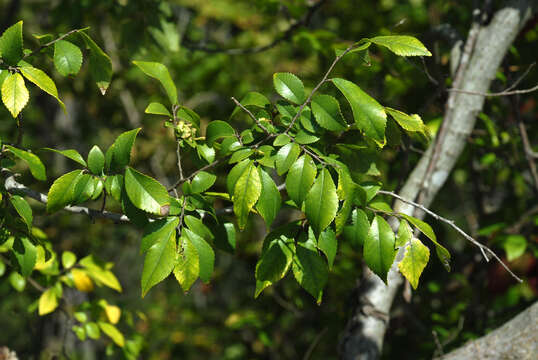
<point>515,340</point>
<point>485,48</point>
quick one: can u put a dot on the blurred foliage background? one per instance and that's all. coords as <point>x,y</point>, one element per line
<point>218,49</point>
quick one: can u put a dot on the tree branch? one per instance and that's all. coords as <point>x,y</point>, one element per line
<point>516,339</point>
<point>12,186</point>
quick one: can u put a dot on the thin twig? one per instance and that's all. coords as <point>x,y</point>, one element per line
<point>529,153</point>
<point>502,93</point>
<point>439,350</point>
<point>516,83</point>
<point>314,343</point>
<point>14,187</point>
<point>323,80</point>
<point>514,229</point>
<point>451,223</point>
<point>256,120</point>
<point>203,168</point>
<point>51,43</point>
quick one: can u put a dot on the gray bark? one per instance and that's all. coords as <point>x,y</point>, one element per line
<point>363,337</point>
<point>515,340</point>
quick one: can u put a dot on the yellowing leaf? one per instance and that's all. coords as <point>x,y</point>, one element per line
<point>43,81</point>
<point>47,302</point>
<point>415,259</point>
<point>14,94</point>
<point>82,280</point>
<point>403,45</point>
<point>112,332</point>
<point>113,313</point>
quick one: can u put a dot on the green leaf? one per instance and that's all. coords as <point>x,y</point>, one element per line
<point>206,255</point>
<point>11,44</point>
<point>61,193</point>
<point>415,259</point>
<point>83,189</point>
<point>286,156</point>
<point>137,216</point>
<point>281,140</point>
<point>357,232</point>
<point>515,246</point>
<point>321,202</point>
<point>17,281</point>
<point>112,332</point>
<point>379,249</point>
<point>326,110</point>
<point>369,115</point>
<point>42,81</point>
<point>187,268</point>
<point>247,190</point>
<point>328,245</point>
<point>405,234</point>
<point>239,155</point>
<point>3,75</point>
<point>70,154</point>
<point>121,150</point>
<point>202,181</point>
<point>402,45</point>
<point>226,237</point>
<point>48,302</point>
<point>160,72</point>
<point>234,175</point>
<point>407,122</point>
<point>80,332</point>
<point>156,230</point>
<point>14,94</point>
<point>197,226</point>
<point>274,262</point>
<point>254,99</point>
<point>304,137</point>
<point>157,109</point>
<point>205,152</point>
<point>300,179</point>
<point>290,87</point>
<point>100,64</point>
<point>92,330</point>
<point>34,163</point>
<point>346,191</point>
<point>26,255</point>
<point>96,160</point>
<point>68,259</point>
<point>310,271</point>
<point>23,209</point>
<point>146,193</point>
<point>268,204</point>
<point>114,186</point>
<point>160,258</point>
<point>67,58</point>
<point>98,187</point>
<point>218,129</point>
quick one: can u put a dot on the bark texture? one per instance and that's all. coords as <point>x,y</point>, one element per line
<point>515,340</point>
<point>481,57</point>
